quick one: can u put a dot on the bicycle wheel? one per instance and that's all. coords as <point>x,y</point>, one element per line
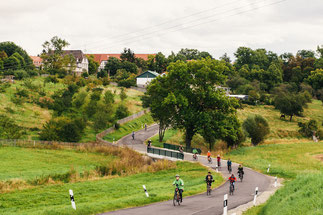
<point>231,189</point>
<point>178,199</point>
<point>174,200</point>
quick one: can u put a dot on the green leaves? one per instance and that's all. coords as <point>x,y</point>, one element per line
<point>257,128</point>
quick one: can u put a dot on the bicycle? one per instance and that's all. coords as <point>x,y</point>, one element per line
<point>177,197</point>
<point>219,165</point>
<point>194,157</point>
<point>231,189</point>
<point>240,176</point>
<point>208,188</point>
<point>229,169</point>
<point>209,160</point>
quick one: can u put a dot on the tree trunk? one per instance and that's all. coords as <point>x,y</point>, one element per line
<point>188,137</point>
<point>162,129</point>
<point>290,119</point>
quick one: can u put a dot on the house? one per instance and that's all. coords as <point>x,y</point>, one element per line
<point>82,63</point>
<point>102,59</point>
<point>145,78</point>
<point>37,61</point>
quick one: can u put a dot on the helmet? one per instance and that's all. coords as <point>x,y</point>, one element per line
<point>177,175</point>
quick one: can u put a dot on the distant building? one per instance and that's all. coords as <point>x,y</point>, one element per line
<point>37,61</point>
<point>102,59</point>
<point>145,78</point>
<point>82,63</point>
<point>240,97</point>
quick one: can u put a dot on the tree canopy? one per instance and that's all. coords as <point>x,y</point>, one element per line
<point>190,100</point>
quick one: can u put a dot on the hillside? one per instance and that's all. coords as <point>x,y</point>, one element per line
<point>28,112</point>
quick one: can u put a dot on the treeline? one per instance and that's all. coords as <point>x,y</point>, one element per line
<point>15,61</point>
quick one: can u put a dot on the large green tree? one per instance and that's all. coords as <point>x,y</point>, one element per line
<point>190,98</point>
<point>11,48</point>
<point>93,65</point>
<point>53,55</point>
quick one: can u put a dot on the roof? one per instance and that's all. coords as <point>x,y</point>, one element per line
<point>78,54</point>
<point>104,57</point>
<point>148,74</point>
<point>36,58</point>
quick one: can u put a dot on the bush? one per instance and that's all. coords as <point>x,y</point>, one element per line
<point>85,74</point>
<point>51,79</point>
<point>116,126</point>
<point>20,74</point>
<point>79,99</point>
<point>122,112</point>
<point>9,129</point>
<point>105,81</point>
<point>308,128</point>
<point>127,83</point>
<point>63,129</point>
<point>123,94</point>
<point>257,128</point>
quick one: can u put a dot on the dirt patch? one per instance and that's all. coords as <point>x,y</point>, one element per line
<point>319,157</point>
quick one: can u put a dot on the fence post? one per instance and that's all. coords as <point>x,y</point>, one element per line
<point>225,205</point>
<point>255,197</point>
<point>275,182</point>
<point>268,168</point>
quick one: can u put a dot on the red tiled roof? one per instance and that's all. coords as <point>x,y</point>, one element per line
<point>36,59</point>
<point>103,57</point>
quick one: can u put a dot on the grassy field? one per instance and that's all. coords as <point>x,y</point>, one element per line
<point>129,127</point>
<point>28,163</point>
<point>298,163</point>
<point>286,160</point>
<point>283,128</point>
<point>280,130</point>
<point>105,195</point>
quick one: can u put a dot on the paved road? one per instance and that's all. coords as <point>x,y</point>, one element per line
<point>198,204</point>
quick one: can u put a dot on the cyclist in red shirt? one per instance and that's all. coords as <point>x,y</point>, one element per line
<point>232,179</point>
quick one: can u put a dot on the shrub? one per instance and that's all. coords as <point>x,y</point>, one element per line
<point>123,94</point>
<point>308,128</point>
<point>105,81</point>
<point>9,129</point>
<point>51,79</point>
<point>85,75</point>
<point>20,74</point>
<point>127,83</point>
<point>79,99</point>
<point>257,128</point>
<point>108,97</point>
<point>116,126</point>
<point>122,112</point>
<point>63,129</point>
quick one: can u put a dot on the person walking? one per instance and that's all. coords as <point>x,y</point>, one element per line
<point>133,135</point>
<point>145,127</point>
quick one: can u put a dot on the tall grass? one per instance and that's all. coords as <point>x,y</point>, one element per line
<point>52,169</point>
<point>302,196</point>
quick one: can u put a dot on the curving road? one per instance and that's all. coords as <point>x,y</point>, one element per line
<point>198,204</point>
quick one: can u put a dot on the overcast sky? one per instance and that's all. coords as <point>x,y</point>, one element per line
<point>147,26</point>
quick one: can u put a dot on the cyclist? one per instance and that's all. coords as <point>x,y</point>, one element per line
<point>195,152</point>
<point>240,170</point>
<point>181,149</point>
<point>232,179</point>
<point>209,179</point>
<point>180,184</point>
<point>229,163</point>
<point>219,160</point>
<point>209,157</point>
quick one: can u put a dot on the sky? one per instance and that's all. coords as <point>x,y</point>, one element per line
<point>150,26</point>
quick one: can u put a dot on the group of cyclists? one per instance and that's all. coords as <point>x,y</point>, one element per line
<point>179,183</point>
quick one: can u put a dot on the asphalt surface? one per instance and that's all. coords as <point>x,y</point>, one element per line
<point>198,204</point>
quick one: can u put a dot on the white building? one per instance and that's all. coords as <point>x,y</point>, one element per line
<point>145,78</point>
<point>82,63</point>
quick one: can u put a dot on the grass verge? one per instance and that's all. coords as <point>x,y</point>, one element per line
<point>105,195</point>
<point>129,127</point>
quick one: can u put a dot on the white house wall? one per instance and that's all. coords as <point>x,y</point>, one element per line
<point>144,81</point>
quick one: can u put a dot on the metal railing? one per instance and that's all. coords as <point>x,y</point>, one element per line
<point>176,147</point>
<point>166,153</point>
